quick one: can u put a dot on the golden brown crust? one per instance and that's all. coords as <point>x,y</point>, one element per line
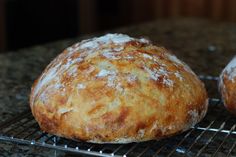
<point>117,89</point>
<point>227,86</point>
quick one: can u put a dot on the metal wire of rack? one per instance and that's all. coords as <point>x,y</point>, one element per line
<point>214,136</point>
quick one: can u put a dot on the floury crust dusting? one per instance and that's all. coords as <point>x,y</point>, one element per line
<point>227,85</point>
<point>115,89</point>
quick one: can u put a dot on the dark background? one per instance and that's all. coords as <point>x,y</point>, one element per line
<point>24,23</point>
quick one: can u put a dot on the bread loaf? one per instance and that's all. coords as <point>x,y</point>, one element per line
<point>227,86</point>
<point>117,89</point>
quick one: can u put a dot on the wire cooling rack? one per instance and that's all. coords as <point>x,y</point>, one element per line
<point>214,136</point>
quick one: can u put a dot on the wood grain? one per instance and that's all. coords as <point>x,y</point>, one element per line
<point>223,10</point>
<point>174,8</point>
<point>216,9</point>
<point>87,16</point>
<point>231,10</point>
<point>2,26</point>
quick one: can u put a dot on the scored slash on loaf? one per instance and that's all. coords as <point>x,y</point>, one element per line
<point>117,89</point>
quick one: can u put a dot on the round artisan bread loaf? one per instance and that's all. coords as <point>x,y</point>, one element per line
<point>227,86</point>
<point>117,89</point>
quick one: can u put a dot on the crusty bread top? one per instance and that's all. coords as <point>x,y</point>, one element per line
<point>230,69</point>
<point>115,87</point>
<point>89,48</point>
<point>228,75</point>
<point>227,85</point>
